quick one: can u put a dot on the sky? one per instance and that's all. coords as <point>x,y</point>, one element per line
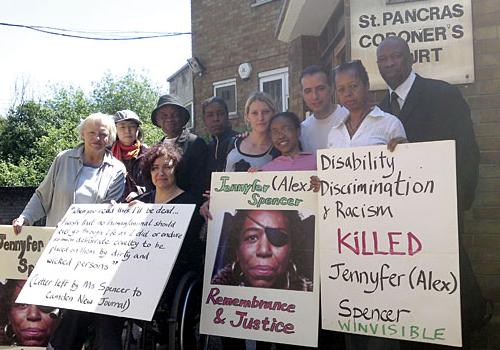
<point>40,60</point>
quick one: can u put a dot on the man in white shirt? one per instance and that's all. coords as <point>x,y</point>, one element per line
<point>317,94</point>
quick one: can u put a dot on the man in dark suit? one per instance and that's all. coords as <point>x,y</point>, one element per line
<point>432,110</point>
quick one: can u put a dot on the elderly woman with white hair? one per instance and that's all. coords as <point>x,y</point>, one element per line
<point>87,174</point>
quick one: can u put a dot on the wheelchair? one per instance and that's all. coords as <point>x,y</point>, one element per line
<point>175,324</point>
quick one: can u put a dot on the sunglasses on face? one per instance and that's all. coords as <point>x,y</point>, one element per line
<point>276,236</point>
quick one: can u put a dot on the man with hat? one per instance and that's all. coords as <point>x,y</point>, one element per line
<point>171,116</point>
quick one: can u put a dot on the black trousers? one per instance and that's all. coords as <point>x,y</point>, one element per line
<point>74,330</point>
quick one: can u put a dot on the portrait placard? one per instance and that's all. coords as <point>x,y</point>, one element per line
<point>25,325</point>
<point>389,242</point>
<point>109,259</point>
<point>261,279</point>
<point>19,253</point>
<point>18,256</point>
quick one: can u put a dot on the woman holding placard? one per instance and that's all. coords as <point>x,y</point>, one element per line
<point>365,125</point>
<point>161,164</point>
<point>285,135</point>
<point>87,174</point>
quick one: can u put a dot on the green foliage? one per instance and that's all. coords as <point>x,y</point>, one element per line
<point>24,125</point>
<point>35,132</point>
<point>128,92</point>
<point>69,105</point>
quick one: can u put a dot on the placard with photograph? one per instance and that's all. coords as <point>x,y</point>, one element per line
<point>261,281</point>
<point>22,326</point>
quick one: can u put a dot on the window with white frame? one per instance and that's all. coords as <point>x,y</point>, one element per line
<point>226,90</point>
<point>275,83</point>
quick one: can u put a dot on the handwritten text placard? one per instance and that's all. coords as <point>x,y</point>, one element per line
<point>19,253</point>
<point>389,242</point>
<point>107,259</point>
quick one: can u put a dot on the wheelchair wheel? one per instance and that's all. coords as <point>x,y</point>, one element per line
<point>175,325</point>
<point>186,308</point>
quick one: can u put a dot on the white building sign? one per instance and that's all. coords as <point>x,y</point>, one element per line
<point>439,33</point>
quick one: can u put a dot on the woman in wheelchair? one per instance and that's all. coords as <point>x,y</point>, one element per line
<point>160,165</point>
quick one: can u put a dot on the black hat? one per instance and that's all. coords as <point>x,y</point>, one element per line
<point>171,100</point>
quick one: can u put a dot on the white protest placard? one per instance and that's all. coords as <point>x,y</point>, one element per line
<point>19,253</point>
<point>106,259</point>
<point>438,32</point>
<point>261,281</point>
<point>389,242</point>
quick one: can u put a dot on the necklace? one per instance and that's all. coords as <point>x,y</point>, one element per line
<point>353,128</point>
<point>168,197</point>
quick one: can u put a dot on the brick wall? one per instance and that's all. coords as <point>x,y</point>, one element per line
<point>483,221</point>
<point>226,34</point>
<point>304,51</point>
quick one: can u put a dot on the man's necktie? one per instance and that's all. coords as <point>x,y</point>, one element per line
<point>395,109</point>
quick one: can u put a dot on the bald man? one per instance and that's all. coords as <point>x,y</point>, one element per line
<point>433,110</point>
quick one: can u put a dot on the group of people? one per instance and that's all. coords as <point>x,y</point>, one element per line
<point>112,164</point>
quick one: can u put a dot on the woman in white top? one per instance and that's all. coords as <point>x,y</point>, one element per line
<point>365,125</point>
<point>256,149</point>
